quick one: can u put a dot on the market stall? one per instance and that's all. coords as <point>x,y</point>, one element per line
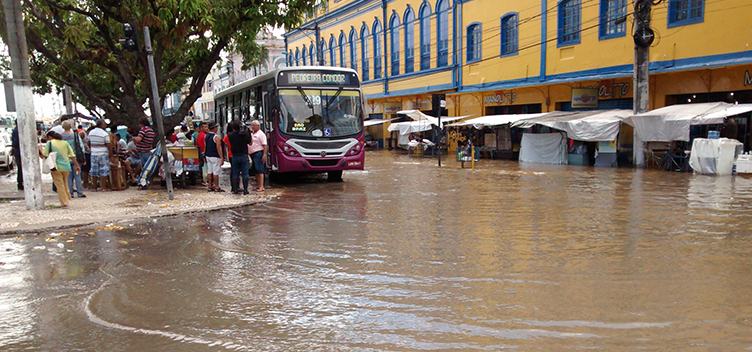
<point>591,131</point>
<point>497,134</point>
<point>672,123</point>
<point>185,166</point>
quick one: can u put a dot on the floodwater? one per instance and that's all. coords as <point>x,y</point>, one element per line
<point>407,257</point>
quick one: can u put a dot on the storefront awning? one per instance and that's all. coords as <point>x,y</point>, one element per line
<point>587,126</point>
<point>494,120</point>
<point>672,123</point>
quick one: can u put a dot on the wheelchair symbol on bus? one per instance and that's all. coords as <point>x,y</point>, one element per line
<point>327,132</point>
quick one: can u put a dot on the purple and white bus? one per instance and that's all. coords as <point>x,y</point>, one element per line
<point>312,116</point>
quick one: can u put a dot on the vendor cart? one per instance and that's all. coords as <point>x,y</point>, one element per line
<point>185,167</point>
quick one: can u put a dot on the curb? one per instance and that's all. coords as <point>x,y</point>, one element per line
<point>43,228</point>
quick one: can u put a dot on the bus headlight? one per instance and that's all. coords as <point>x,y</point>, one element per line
<point>356,149</point>
<point>289,151</point>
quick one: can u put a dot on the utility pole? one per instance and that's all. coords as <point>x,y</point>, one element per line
<point>319,54</point>
<point>27,128</point>
<point>643,38</point>
<point>438,102</point>
<point>158,112</point>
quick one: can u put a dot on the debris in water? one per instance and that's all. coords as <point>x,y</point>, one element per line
<point>39,248</point>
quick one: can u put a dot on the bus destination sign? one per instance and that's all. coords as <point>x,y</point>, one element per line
<point>324,78</point>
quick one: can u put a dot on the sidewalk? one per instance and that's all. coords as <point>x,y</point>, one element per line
<point>108,207</point>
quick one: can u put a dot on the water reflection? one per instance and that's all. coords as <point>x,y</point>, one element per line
<point>406,256</point>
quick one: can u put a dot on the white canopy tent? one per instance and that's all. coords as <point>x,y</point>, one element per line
<point>672,123</point>
<point>416,115</point>
<point>543,148</point>
<point>405,128</point>
<point>375,122</point>
<point>494,120</point>
<point>421,123</point>
<point>586,126</point>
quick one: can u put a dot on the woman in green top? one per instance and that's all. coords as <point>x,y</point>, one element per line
<point>65,156</point>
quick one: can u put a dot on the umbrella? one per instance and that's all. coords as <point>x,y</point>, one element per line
<point>151,165</point>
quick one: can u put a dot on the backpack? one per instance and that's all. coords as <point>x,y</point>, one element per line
<point>80,157</point>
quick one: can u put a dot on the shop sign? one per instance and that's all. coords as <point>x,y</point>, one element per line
<point>613,90</point>
<point>392,107</point>
<point>423,104</point>
<point>584,98</point>
<point>373,108</point>
<point>747,78</point>
<point>500,98</point>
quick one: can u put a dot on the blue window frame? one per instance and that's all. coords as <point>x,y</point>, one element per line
<point>342,49</point>
<point>364,53</point>
<point>353,50</point>
<point>473,42</point>
<point>297,57</point>
<point>378,53</point>
<point>442,33</point>
<point>394,44</point>
<point>684,12</point>
<point>613,19</point>
<point>509,34</point>
<point>323,52</point>
<point>425,36</point>
<point>332,51</point>
<point>569,22</point>
<point>305,53</point>
<point>409,21</point>
<point>312,55</point>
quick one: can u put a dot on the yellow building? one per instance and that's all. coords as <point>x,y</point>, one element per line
<point>526,56</point>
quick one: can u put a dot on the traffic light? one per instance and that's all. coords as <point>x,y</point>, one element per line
<point>131,37</point>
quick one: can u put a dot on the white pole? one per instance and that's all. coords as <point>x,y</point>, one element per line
<point>27,130</point>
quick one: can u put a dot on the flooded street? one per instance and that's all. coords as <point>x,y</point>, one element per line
<point>406,257</point>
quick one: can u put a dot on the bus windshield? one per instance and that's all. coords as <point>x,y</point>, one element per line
<point>320,112</point>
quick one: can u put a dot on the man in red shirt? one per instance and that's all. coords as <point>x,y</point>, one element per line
<point>203,127</point>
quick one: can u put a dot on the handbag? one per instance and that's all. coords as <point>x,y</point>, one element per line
<point>80,157</point>
<point>50,163</point>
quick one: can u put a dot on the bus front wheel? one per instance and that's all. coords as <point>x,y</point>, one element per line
<point>334,176</point>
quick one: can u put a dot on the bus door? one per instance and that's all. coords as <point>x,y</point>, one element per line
<point>267,120</point>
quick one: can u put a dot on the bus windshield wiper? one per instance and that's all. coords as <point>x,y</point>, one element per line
<point>305,97</point>
<point>330,101</point>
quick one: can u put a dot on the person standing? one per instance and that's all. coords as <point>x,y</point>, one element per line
<point>99,141</point>
<point>74,177</point>
<point>239,140</point>
<point>144,141</point>
<point>214,158</point>
<point>258,149</point>
<point>65,156</point>
<point>86,167</point>
<point>16,151</point>
<point>201,143</point>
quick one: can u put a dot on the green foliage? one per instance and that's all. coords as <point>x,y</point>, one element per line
<point>75,42</point>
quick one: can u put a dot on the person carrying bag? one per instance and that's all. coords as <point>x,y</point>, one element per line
<point>63,156</point>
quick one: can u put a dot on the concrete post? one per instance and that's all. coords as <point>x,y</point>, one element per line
<point>641,74</point>
<point>27,131</point>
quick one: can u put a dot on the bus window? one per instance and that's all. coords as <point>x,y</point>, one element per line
<point>320,112</point>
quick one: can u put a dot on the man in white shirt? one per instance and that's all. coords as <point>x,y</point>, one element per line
<point>99,140</point>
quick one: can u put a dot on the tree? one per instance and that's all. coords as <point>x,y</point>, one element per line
<point>75,43</point>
